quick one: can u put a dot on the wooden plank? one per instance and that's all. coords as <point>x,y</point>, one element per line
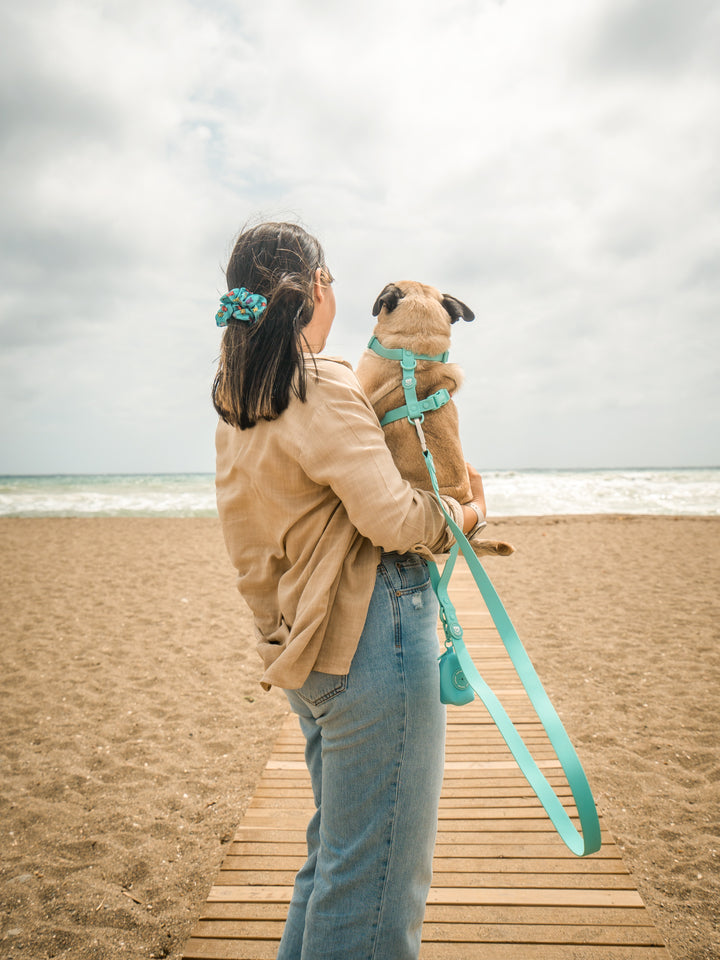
<point>235,949</point>
<point>522,933</point>
<point>474,865</point>
<point>446,913</point>
<point>505,887</point>
<point>451,801</point>
<point>456,932</point>
<point>496,832</point>
<point>495,818</point>
<point>495,851</point>
<point>244,949</point>
<point>495,896</point>
<point>284,876</point>
<point>540,951</point>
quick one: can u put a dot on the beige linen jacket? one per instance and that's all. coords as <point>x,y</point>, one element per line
<point>307,503</point>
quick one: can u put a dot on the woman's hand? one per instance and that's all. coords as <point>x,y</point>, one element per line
<point>477,496</point>
<point>476,487</point>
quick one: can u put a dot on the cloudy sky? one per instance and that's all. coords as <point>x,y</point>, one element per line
<point>555,165</point>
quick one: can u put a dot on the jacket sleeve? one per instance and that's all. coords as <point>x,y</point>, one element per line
<point>344,448</point>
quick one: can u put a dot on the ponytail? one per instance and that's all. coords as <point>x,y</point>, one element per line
<point>262,364</point>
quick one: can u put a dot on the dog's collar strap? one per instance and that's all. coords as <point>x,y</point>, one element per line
<point>382,351</point>
<point>413,408</point>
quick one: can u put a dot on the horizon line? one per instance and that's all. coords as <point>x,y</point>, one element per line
<point>210,473</point>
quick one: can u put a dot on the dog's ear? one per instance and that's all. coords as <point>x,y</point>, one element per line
<point>457,309</point>
<point>389,298</point>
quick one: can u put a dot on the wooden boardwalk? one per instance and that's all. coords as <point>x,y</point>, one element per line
<point>505,886</point>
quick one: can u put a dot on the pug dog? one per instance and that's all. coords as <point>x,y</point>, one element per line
<point>417,317</point>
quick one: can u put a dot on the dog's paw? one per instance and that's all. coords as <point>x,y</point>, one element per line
<point>491,548</point>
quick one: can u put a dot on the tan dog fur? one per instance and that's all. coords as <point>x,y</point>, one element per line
<point>420,322</point>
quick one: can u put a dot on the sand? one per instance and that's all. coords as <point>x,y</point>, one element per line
<point>133,728</point>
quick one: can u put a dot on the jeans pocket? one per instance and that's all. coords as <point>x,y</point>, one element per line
<point>321,687</point>
<point>413,573</point>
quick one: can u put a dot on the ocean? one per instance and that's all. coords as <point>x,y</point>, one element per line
<point>685,492</point>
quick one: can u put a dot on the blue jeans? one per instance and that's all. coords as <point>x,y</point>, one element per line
<point>375,745</point>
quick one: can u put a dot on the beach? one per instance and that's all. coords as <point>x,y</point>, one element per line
<point>134,728</point>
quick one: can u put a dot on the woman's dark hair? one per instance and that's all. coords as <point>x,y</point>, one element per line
<point>261,364</point>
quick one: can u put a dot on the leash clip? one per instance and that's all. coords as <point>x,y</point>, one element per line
<point>421,435</point>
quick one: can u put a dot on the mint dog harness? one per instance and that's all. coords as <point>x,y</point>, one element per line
<point>413,408</point>
<point>460,679</point>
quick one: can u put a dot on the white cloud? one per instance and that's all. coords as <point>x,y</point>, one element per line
<point>552,165</point>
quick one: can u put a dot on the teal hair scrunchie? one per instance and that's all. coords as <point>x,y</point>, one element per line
<point>240,304</point>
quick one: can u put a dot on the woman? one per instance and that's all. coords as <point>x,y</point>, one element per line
<point>328,541</point>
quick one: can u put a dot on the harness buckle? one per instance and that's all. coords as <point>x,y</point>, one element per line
<point>439,399</point>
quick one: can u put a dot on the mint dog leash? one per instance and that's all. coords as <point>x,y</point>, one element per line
<point>580,843</point>
<point>457,669</point>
